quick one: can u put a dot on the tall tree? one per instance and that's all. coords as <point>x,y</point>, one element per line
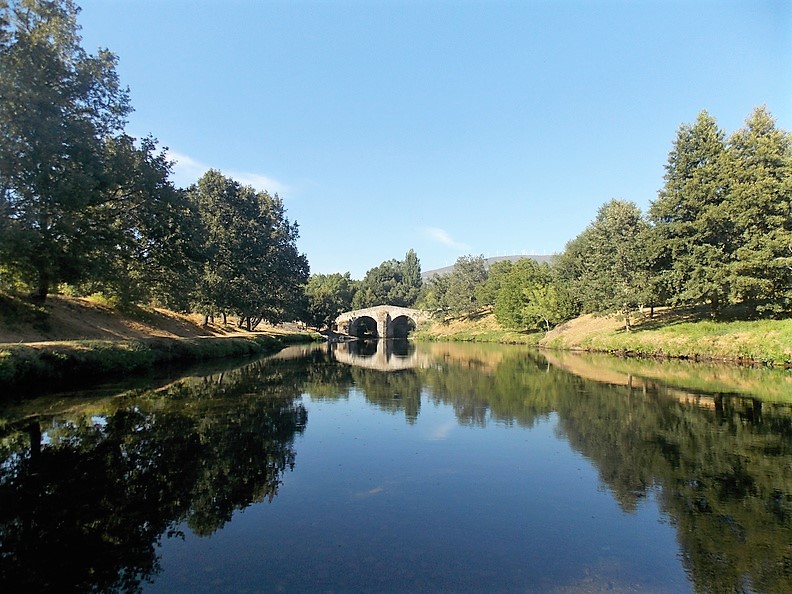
<point>528,297</point>
<point>497,275</point>
<point>250,265</point>
<point>612,270</point>
<point>411,277</point>
<point>759,204</point>
<point>328,295</point>
<point>455,294</point>
<point>145,229</point>
<point>58,107</point>
<point>393,282</point>
<point>692,224</point>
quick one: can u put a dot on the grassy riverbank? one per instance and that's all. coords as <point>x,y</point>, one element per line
<point>68,339</point>
<point>68,361</point>
<point>671,333</point>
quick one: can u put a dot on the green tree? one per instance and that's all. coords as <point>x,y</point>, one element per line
<point>328,295</point>
<point>411,277</point>
<point>610,261</point>
<point>759,178</point>
<point>528,297</point>
<point>393,282</point>
<point>693,226</point>
<point>146,228</point>
<point>455,294</point>
<point>59,107</point>
<point>250,264</point>
<point>497,274</point>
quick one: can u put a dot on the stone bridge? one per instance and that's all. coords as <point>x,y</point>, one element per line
<point>382,321</point>
<point>381,356</point>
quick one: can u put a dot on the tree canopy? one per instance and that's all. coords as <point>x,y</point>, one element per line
<point>393,282</point>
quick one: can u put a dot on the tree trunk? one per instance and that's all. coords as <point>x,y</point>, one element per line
<point>225,319</point>
<point>714,308</point>
<point>34,432</point>
<point>206,320</point>
<point>248,324</point>
<point>627,324</point>
<point>42,288</point>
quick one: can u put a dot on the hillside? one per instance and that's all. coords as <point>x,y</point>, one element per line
<point>487,262</point>
<point>69,318</point>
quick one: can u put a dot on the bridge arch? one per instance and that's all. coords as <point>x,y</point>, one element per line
<point>363,327</point>
<point>390,321</point>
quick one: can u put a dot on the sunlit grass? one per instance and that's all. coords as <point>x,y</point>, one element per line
<point>68,360</point>
<point>671,333</point>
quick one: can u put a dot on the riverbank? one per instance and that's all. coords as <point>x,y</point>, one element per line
<point>70,339</point>
<point>670,333</point>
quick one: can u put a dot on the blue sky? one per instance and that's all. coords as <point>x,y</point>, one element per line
<point>448,127</point>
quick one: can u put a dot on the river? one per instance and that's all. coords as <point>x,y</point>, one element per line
<point>391,466</point>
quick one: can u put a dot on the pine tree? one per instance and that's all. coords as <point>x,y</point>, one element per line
<point>690,218</point>
<point>759,172</point>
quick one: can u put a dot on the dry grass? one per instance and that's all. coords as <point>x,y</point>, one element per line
<point>71,318</point>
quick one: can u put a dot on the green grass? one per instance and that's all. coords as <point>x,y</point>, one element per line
<point>479,329</point>
<point>16,312</point>
<point>766,341</point>
<point>671,334</point>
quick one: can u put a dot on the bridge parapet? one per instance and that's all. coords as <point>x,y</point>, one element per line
<point>385,317</point>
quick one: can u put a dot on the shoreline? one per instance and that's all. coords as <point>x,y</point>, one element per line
<point>765,343</point>
<point>26,365</point>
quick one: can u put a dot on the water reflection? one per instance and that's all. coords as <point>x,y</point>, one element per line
<point>380,355</point>
<point>88,492</point>
<point>85,497</point>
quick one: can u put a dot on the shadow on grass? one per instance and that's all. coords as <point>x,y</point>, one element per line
<point>671,316</point>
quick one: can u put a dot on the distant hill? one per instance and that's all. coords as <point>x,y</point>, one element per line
<point>488,262</point>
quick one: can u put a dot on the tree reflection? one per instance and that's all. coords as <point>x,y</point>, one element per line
<point>85,500</point>
<point>722,473</point>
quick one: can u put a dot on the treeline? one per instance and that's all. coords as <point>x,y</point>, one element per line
<point>719,234</point>
<point>86,208</point>
<point>394,282</point>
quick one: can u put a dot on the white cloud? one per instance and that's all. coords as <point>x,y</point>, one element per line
<point>442,431</point>
<point>187,170</point>
<point>443,237</point>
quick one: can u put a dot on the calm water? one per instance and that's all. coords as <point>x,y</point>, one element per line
<point>391,467</point>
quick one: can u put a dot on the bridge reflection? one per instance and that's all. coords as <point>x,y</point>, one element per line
<point>381,355</point>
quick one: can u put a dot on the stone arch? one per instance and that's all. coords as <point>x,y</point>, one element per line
<point>401,326</point>
<point>363,327</point>
<point>388,319</point>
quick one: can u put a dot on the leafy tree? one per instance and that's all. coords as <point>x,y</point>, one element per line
<point>250,265</point>
<point>497,274</point>
<point>59,107</point>
<point>455,294</point>
<point>528,297</point>
<point>693,226</point>
<point>610,261</point>
<point>393,282</point>
<point>758,170</point>
<point>147,228</point>
<point>433,298</point>
<point>411,277</point>
<point>328,296</point>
